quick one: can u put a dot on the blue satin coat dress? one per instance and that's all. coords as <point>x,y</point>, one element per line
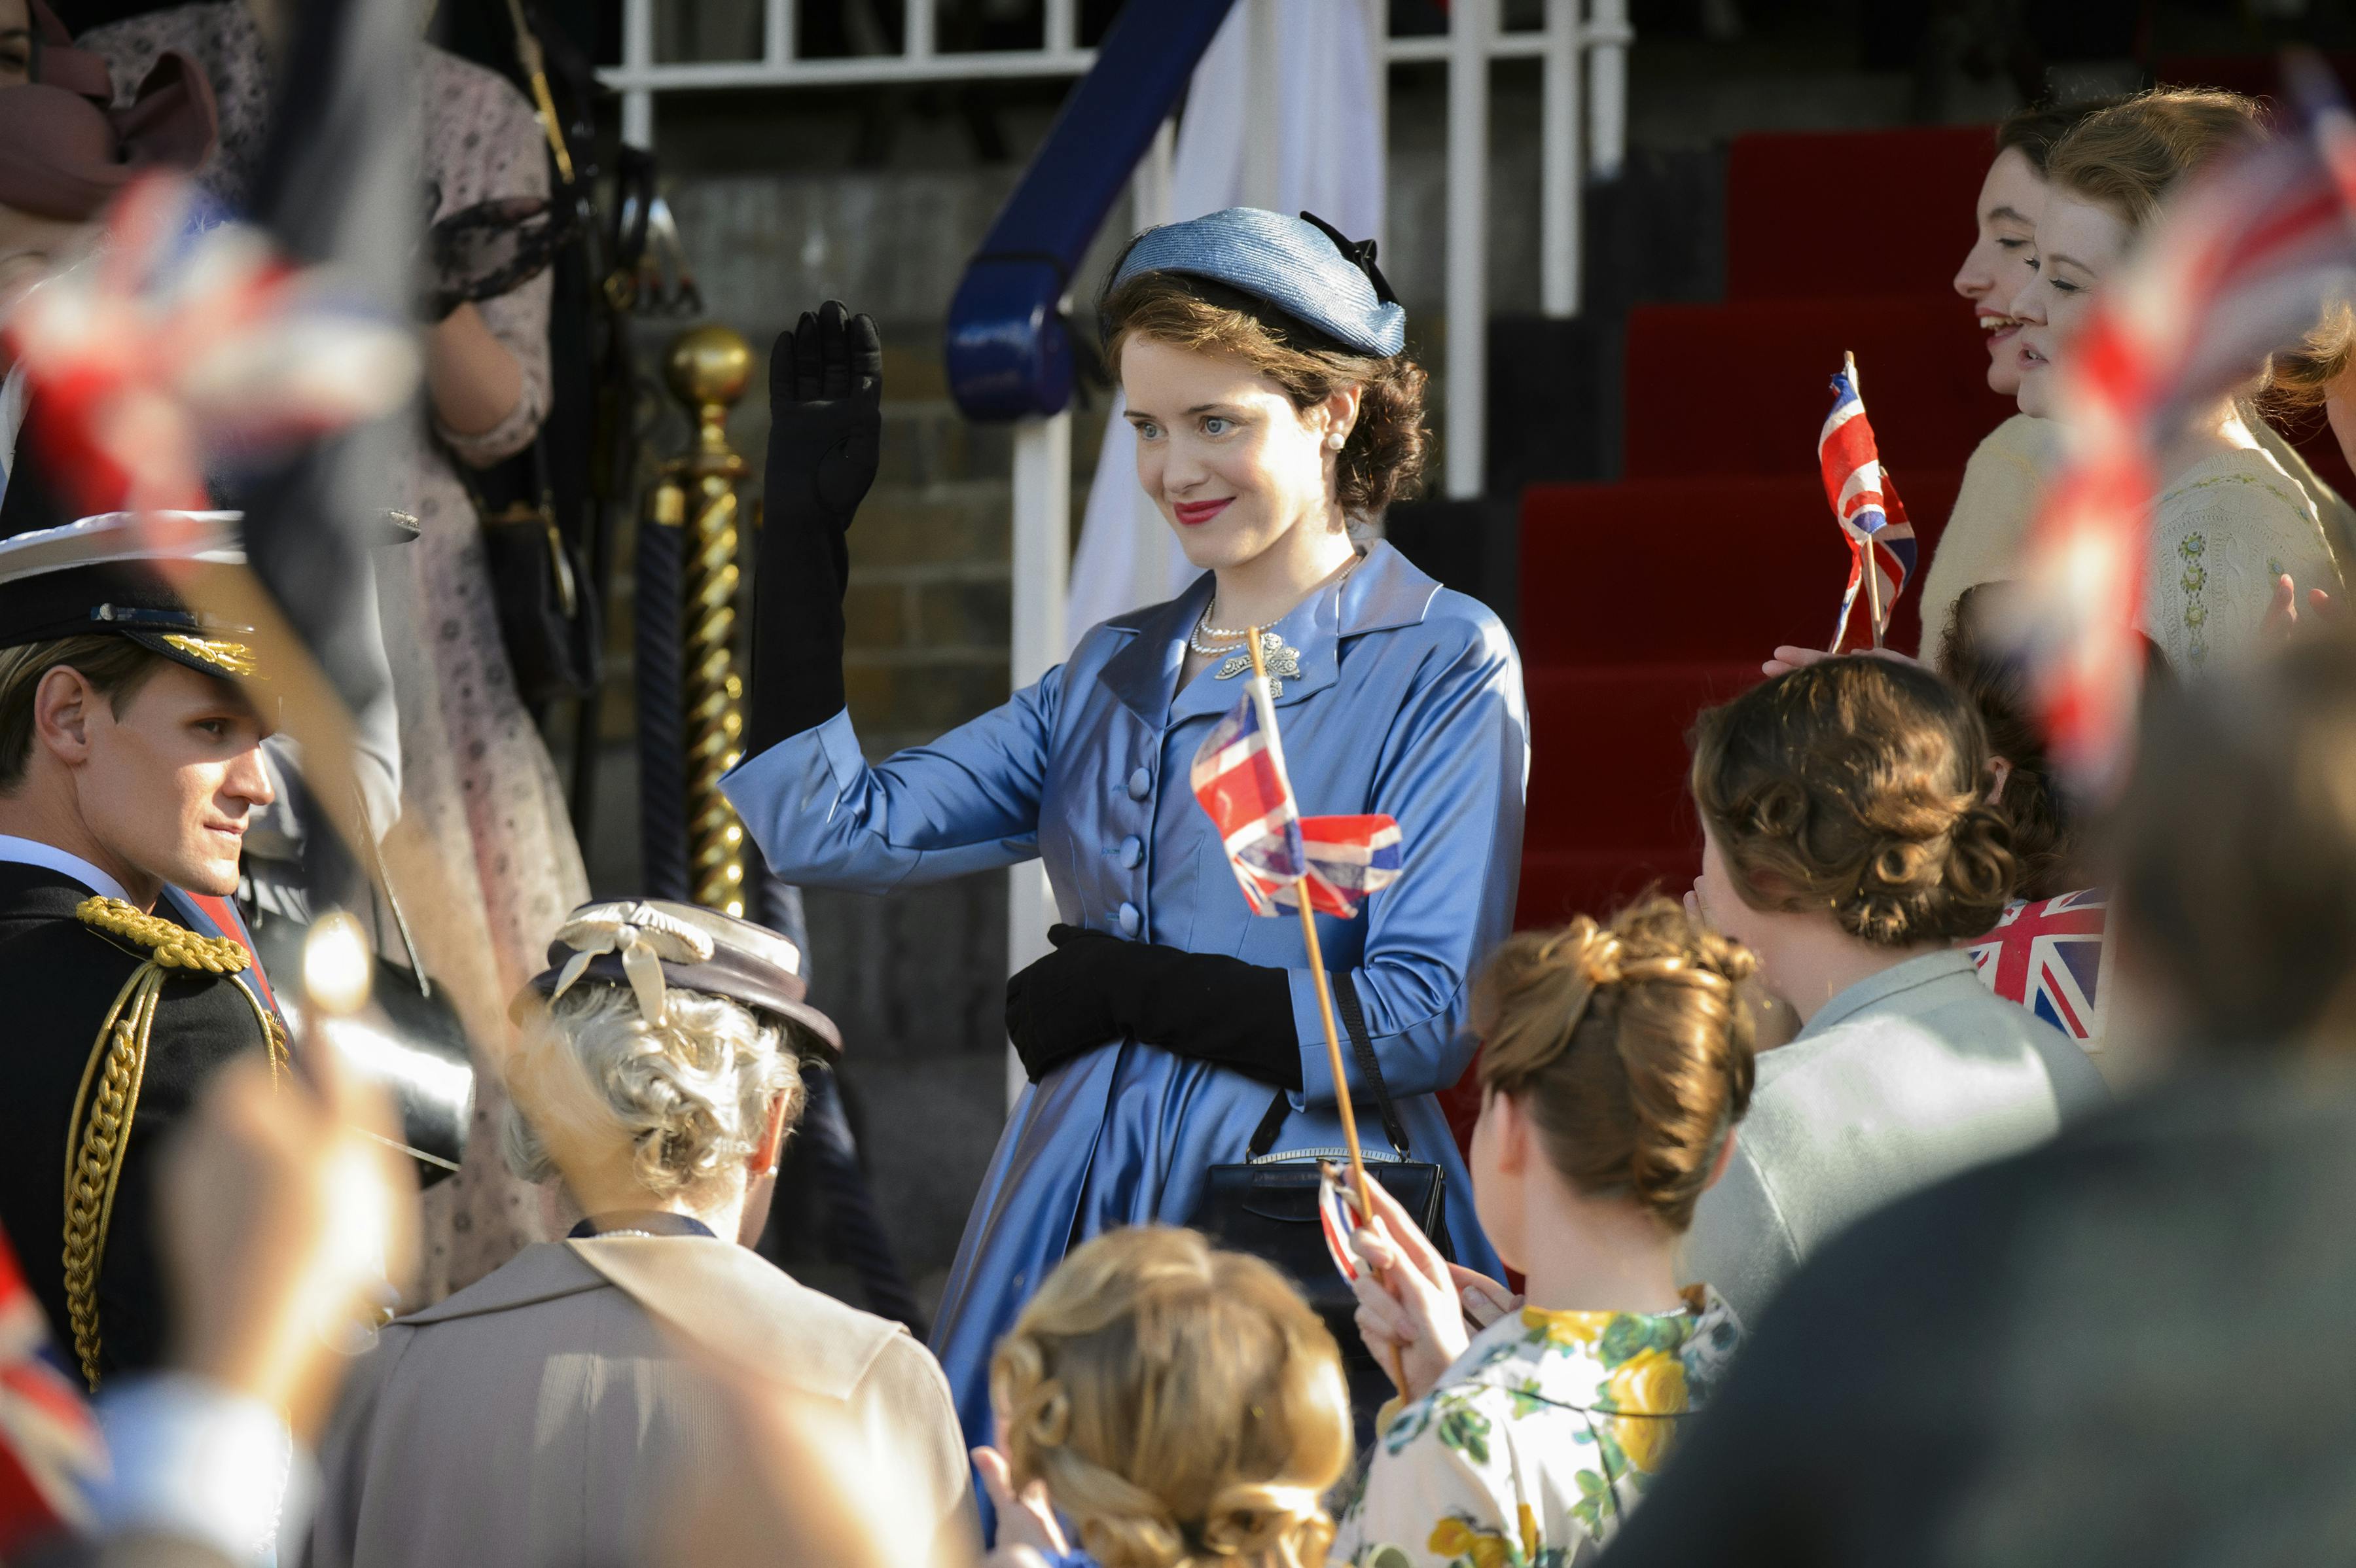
<point>1408,701</point>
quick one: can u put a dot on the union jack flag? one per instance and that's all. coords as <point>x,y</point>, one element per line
<point>50,1451</point>
<point>1349,857</point>
<point>2048,956</point>
<point>1864,503</point>
<point>1239,776</point>
<point>172,345</point>
<point>1338,1217</point>
<point>2237,267</point>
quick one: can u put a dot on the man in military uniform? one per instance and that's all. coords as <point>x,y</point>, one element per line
<point>130,767</point>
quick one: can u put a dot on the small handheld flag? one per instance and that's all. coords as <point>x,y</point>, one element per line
<point>1239,776</point>
<point>1864,503</point>
<point>1312,863</point>
<point>1349,857</point>
<point>1339,1217</point>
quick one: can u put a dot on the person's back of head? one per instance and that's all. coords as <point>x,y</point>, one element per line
<point>2044,823</point>
<point>2236,850</point>
<point>1183,1404</point>
<point>1626,1046</point>
<point>688,1096</point>
<point>1855,790</point>
<point>660,1062</point>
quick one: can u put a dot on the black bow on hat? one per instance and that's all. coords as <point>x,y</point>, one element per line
<point>1361,253</point>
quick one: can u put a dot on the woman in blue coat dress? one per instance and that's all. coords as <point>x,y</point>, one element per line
<point>1263,366</point>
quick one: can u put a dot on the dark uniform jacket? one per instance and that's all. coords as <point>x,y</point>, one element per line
<point>59,977</point>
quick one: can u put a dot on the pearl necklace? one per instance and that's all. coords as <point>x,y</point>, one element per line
<point>1203,627</point>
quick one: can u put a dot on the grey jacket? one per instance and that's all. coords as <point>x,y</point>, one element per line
<point>569,1408</point>
<point>1899,1082</point>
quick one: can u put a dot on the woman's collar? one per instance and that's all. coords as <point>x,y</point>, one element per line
<point>1387,591</point>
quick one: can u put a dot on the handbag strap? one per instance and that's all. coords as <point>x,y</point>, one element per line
<point>1370,1067</point>
<point>380,884</point>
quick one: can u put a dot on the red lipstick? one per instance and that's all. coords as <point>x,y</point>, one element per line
<point>1194,514</point>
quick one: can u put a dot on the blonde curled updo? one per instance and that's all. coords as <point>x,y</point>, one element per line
<point>1183,1404</point>
<point>1857,788</point>
<point>691,1094</point>
<point>1626,1046</point>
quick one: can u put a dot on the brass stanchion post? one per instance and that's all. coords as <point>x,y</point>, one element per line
<point>708,369</point>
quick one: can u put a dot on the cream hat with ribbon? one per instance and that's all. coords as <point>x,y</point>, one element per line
<point>651,946</point>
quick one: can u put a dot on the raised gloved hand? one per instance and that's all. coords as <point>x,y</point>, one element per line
<point>826,426</point>
<point>1096,988</point>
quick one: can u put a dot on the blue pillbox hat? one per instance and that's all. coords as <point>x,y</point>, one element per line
<point>1297,265</point>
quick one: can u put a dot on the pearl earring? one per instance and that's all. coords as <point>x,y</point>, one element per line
<point>1337,441</point>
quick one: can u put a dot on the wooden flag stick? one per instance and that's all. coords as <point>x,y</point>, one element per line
<point>1872,592</point>
<point>1325,994</point>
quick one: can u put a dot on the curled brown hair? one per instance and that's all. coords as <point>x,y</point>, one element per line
<point>2044,827</point>
<point>2129,156</point>
<point>1184,1405</point>
<point>1383,459</point>
<point>1626,1046</point>
<point>2300,377</point>
<point>1856,787</point>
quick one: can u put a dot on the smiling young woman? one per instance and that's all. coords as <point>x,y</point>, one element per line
<point>2229,522</point>
<point>1982,540</point>
<point>1262,360</point>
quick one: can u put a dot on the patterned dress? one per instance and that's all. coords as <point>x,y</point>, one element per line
<point>484,854</point>
<point>2221,534</point>
<point>1538,1440</point>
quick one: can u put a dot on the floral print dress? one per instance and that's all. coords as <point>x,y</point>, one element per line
<point>1538,1440</point>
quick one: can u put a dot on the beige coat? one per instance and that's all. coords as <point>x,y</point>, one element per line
<point>2250,516</point>
<point>561,1412</point>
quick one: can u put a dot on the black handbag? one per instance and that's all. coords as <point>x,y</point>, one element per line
<point>1267,1204</point>
<point>549,618</point>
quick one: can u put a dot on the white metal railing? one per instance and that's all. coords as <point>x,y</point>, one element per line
<point>1564,40</point>
<point>1042,503</point>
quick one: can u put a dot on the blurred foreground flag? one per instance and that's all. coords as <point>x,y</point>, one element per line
<point>176,347</point>
<point>1239,778</point>
<point>1866,505</point>
<point>2239,265</point>
<point>50,1451</point>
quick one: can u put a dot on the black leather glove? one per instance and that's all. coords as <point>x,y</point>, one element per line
<point>826,426</point>
<point>1095,988</point>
